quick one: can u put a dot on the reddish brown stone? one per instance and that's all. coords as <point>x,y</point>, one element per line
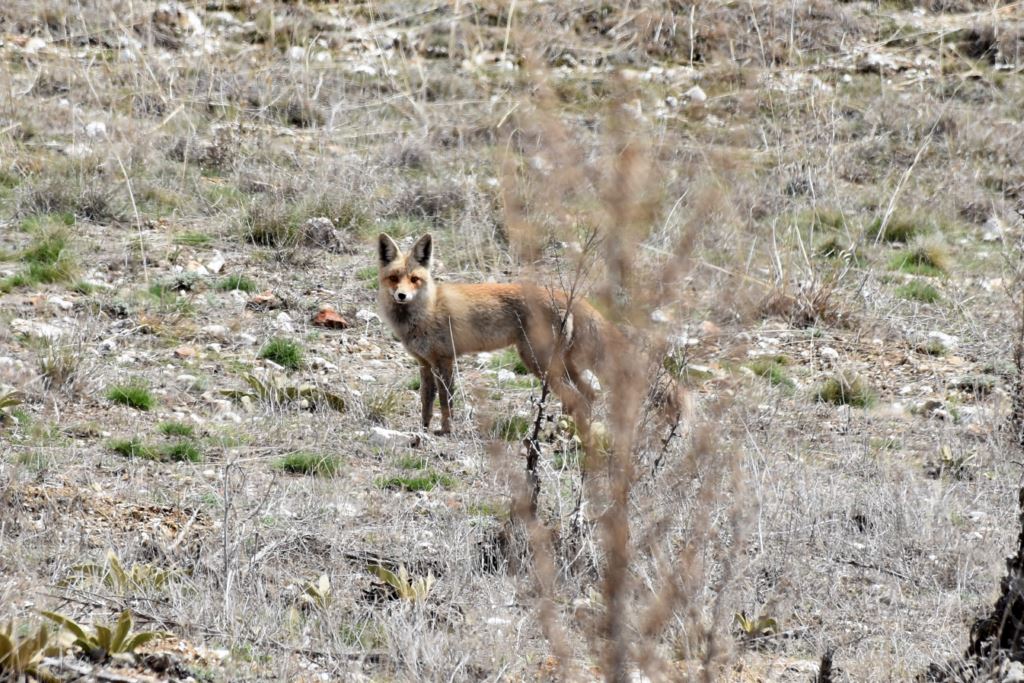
<point>264,301</point>
<point>329,318</point>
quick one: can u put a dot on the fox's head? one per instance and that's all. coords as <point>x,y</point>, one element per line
<point>405,276</point>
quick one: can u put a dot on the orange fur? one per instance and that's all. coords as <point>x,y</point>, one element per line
<point>439,322</point>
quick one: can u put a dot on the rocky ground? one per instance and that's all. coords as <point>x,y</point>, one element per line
<point>205,422</point>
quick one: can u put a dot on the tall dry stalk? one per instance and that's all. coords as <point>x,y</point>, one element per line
<point>661,593</point>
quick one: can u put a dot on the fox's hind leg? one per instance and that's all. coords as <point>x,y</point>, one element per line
<point>577,397</point>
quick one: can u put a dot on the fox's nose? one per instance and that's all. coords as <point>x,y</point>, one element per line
<point>401,296</point>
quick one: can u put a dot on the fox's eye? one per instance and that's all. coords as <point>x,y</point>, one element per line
<point>394,279</point>
<point>414,280</point>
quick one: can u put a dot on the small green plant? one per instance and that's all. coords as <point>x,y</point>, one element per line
<point>510,360</point>
<point>413,462</point>
<point>367,276</point>
<point>182,451</point>
<point>47,259</point>
<point>924,257</point>
<point>113,574</point>
<point>179,429</point>
<point>270,223</point>
<point>512,427</point>
<point>316,464</point>
<point>918,290</point>
<point>846,389</point>
<point>105,641</point>
<point>133,448</point>
<point>406,587</point>
<point>9,399</point>
<point>752,628</point>
<point>900,228</point>
<point>423,482</point>
<point>135,394</point>
<point>772,368</point>
<point>284,352</point>
<point>236,282</point>
<point>413,383</point>
<point>193,239</point>
<point>316,594</point>
<point>381,406</point>
<point>20,656</point>
<point>60,366</point>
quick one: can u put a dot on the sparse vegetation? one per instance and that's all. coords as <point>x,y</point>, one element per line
<point>179,429</point>
<point>711,176</point>
<point>772,368</point>
<point>918,290</point>
<point>104,641</point>
<point>239,282</point>
<point>47,259</point>
<point>846,389</point>
<point>134,394</point>
<point>303,462</point>
<point>422,482</point>
<point>284,352</point>
<point>928,257</point>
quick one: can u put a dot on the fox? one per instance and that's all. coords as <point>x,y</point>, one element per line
<point>559,338</point>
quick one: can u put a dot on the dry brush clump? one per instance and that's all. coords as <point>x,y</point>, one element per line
<point>651,577</point>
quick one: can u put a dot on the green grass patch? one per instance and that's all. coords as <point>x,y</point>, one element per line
<point>918,290</point>
<point>368,276</point>
<point>511,427</point>
<point>133,448</point>
<point>236,282</point>
<point>413,462</point>
<point>46,260</point>
<point>846,389</point>
<point>510,360</point>
<point>181,451</point>
<point>193,239</point>
<point>134,395</point>
<point>284,352</point>
<point>901,228</point>
<point>424,482</point>
<point>179,429</point>
<point>413,383</point>
<point>772,368</point>
<point>928,257</point>
<point>315,464</point>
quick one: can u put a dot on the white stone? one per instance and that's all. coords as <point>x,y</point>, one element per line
<point>992,230</point>
<point>696,94</point>
<point>389,437</point>
<point>96,129</point>
<point>216,331</point>
<point>829,354</point>
<point>296,53</point>
<point>505,376</point>
<point>216,263</point>
<point>35,328</point>
<point>34,45</point>
<point>366,316</point>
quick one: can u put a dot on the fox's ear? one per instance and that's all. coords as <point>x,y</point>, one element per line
<point>387,248</point>
<point>422,251</point>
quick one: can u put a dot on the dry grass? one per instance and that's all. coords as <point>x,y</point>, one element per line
<point>841,156</point>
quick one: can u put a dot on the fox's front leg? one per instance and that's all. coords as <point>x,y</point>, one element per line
<point>428,392</point>
<point>445,371</point>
